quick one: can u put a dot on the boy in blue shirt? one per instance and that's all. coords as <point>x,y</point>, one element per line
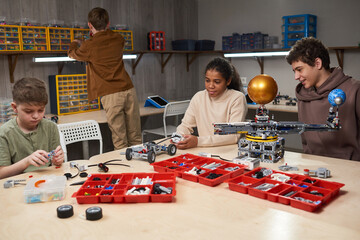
<point>27,141</point>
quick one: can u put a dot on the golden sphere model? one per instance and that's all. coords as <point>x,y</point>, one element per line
<point>262,89</point>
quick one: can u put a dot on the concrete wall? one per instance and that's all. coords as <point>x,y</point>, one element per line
<point>337,25</point>
<point>177,18</point>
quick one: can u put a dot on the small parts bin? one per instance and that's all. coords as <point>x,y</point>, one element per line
<point>204,170</point>
<point>296,27</point>
<point>298,191</point>
<point>156,41</point>
<point>127,188</point>
<point>193,45</point>
<point>46,188</point>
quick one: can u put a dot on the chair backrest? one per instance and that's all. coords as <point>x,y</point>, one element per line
<point>174,109</point>
<point>79,131</point>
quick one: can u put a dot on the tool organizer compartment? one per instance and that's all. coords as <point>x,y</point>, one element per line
<point>128,37</point>
<point>296,190</point>
<point>68,95</point>
<point>59,38</point>
<point>204,170</point>
<point>296,27</point>
<point>9,38</point>
<point>127,188</point>
<point>34,38</point>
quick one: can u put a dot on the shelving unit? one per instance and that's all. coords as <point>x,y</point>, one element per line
<point>192,55</point>
<point>296,27</point>
<point>80,33</point>
<point>128,36</point>
<point>59,38</point>
<point>19,40</point>
<point>34,38</point>
<point>68,95</point>
<point>10,38</point>
<point>165,56</point>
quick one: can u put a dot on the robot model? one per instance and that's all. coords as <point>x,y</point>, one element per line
<point>261,134</point>
<point>149,150</point>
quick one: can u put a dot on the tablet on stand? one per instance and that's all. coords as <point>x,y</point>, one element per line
<point>156,101</point>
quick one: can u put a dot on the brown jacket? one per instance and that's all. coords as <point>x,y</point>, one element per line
<point>314,108</point>
<point>105,69</point>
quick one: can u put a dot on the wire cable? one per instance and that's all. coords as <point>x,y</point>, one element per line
<point>103,166</point>
<point>108,163</point>
<point>69,175</point>
<point>221,158</point>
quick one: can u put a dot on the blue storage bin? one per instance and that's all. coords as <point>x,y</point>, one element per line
<point>183,45</point>
<point>227,43</point>
<point>296,27</point>
<point>236,41</point>
<point>302,19</point>
<point>204,45</point>
<point>247,41</point>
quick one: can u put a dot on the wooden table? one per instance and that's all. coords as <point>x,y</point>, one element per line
<point>198,211</point>
<point>100,115</point>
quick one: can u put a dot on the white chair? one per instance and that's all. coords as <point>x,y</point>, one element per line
<point>171,109</point>
<point>80,132</point>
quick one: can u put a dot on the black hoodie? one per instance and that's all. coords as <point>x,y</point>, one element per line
<point>314,107</point>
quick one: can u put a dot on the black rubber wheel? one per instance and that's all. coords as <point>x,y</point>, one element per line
<point>171,149</point>
<point>128,154</point>
<point>151,156</point>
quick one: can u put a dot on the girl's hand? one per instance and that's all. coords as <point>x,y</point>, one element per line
<point>189,141</point>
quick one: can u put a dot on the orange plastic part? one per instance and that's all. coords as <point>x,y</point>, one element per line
<point>38,183</point>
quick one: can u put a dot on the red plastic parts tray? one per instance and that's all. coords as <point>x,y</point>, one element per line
<point>113,188</point>
<point>308,193</point>
<point>182,164</point>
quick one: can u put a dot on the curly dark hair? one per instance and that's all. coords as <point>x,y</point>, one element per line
<point>99,18</point>
<point>31,91</point>
<point>227,71</point>
<point>307,50</point>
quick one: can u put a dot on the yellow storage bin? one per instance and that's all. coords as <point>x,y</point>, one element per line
<point>59,38</point>
<point>10,38</point>
<point>34,38</point>
<point>68,95</point>
<point>80,33</point>
<point>128,36</point>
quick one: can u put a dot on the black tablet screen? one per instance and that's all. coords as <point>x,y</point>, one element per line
<point>159,101</point>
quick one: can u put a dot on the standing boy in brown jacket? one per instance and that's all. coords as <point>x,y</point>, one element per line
<point>310,62</point>
<point>107,78</point>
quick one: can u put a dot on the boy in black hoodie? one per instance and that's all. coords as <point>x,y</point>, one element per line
<point>310,62</point>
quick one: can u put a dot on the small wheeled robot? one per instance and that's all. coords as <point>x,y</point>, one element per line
<point>291,102</point>
<point>149,150</point>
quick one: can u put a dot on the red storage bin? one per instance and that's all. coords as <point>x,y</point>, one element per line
<point>186,162</point>
<point>241,183</point>
<point>113,188</point>
<point>310,207</point>
<point>156,41</point>
<point>299,191</point>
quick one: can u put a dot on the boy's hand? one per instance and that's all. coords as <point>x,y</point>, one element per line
<point>78,41</point>
<point>37,158</point>
<point>58,158</point>
<point>189,141</point>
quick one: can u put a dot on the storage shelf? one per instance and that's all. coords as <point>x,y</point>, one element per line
<point>68,95</point>
<point>166,55</point>
<point>192,55</point>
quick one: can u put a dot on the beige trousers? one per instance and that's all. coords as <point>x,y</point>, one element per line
<point>123,117</point>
